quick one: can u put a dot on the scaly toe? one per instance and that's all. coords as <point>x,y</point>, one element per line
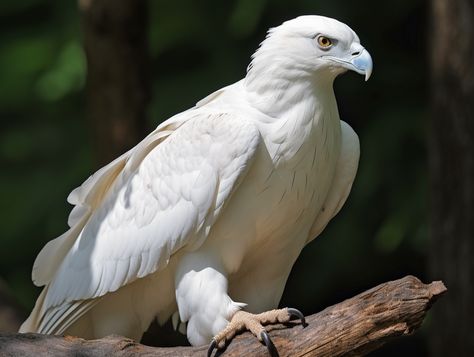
<point>243,320</point>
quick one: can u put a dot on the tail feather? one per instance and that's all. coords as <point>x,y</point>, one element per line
<point>58,319</point>
<point>55,320</point>
<point>31,324</point>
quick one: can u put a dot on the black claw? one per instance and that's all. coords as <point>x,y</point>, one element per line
<point>269,343</point>
<point>211,348</point>
<point>298,314</point>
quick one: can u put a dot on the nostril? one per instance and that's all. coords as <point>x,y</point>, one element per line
<point>356,53</point>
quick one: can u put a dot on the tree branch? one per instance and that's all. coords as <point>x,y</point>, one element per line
<point>353,327</point>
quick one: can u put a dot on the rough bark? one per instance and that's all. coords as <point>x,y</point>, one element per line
<point>118,88</point>
<point>351,328</point>
<point>452,173</point>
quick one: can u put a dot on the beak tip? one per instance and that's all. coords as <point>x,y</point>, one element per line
<point>363,64</point>
<point>367,75</point>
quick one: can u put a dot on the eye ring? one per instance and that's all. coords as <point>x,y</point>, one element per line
<point>324,42</point>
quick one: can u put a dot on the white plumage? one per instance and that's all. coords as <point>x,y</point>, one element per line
<point>209,212</point>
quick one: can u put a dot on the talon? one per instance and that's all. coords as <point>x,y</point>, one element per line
<point>212,346</point>
<point>269,343</point>
<point>298,314</point>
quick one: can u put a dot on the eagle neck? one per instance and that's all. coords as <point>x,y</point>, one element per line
<point>299,114</point>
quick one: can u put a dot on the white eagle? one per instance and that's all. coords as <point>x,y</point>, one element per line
<point>206,216</point>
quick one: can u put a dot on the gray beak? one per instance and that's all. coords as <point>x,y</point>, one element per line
<point>362,63</point>
<point>359,61</point>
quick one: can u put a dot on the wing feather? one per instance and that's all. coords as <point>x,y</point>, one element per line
<point>89,196</point>
<point>154,206</point>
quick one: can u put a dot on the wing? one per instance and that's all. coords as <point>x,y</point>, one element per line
<point>154,207</point>
<point>90,194</point>
<point>343,178</point>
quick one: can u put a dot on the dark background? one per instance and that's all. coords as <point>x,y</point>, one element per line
<point>196,47</point>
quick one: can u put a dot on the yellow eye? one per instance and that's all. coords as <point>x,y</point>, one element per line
<point>324,42</point>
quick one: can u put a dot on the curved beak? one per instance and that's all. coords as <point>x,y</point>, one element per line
<point>362,63</point>
<point>359,61</point>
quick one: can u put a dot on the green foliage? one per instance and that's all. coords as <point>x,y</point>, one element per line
<point>66,75</point>
<point>43,143</point>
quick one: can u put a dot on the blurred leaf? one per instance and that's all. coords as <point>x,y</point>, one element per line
<point>66,75</point>
<point>25,56</point>
<point>20,61</point>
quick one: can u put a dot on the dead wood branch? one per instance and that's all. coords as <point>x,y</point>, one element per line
<point>353,327</point>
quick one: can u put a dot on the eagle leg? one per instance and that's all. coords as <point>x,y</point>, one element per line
<point>254,323</point>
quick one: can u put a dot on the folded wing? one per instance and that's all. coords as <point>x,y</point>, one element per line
<point>134,214</point>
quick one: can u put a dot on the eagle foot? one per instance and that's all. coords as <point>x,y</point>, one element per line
<point>254,323</point>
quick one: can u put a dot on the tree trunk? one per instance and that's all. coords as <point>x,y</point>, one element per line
<point>118,88</point>
<point>353,327</point>
<point>452,173</point>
